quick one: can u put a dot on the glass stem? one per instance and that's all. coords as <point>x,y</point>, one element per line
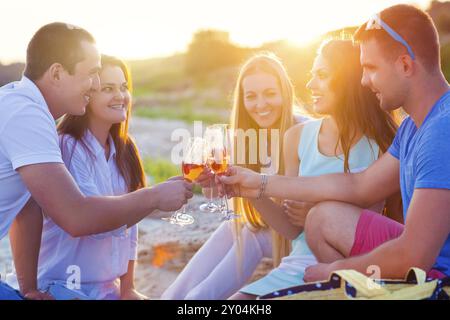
<point>211,194</point>
<point>179,213</point>
<point>226,200</point>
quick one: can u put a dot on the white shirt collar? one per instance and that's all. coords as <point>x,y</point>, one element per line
<point>36,94</point>
<point>97,148</point>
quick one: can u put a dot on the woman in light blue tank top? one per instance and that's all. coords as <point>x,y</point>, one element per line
<point>313,163</point>
<point>340,142</point>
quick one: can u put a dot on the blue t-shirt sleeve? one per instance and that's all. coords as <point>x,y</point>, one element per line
<point>394,149</point>
<point>432,164</point>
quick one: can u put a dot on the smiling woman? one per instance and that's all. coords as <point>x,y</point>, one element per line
<point>109,112</point>
<point>262,98</point>
<point>110,104</point>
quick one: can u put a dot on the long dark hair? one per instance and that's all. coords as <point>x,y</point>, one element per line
<point>357,109</point>
<point>128,159</point>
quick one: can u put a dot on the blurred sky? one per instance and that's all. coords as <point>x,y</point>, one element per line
<point>135,29</point>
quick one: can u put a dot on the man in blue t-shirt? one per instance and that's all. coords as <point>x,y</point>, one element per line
<point>401,64</point>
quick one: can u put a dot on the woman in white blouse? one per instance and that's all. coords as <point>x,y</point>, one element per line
<point>104,160</point>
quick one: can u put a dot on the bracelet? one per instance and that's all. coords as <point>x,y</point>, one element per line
<point>262,188</point>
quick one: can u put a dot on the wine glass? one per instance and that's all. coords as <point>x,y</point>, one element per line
<point>210,206</point>
<point>192,166</point>
<point>219,146</point>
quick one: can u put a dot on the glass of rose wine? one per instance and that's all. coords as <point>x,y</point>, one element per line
<point>209,137</point>
<point>192,166</point>
<point>219,145</point>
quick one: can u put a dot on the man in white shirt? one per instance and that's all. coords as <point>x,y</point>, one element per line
<point>61,70</point>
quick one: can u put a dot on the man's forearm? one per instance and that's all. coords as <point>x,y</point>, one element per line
<point>109,213</point>
<point>338,187</point>
<point>57,193</point>
<point>127,280</point>
<point>25,239</point>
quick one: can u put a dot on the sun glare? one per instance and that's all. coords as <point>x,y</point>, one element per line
<point>138,29</point>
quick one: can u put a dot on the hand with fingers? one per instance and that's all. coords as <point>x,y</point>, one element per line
<point>239,182</point>
<point>297,211</point>
<point>206,178</point>
<point>38,295</point>
<point>173,193</point>
<point>318,272</point>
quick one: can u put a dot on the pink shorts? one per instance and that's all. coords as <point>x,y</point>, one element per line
<point>374,229</point>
